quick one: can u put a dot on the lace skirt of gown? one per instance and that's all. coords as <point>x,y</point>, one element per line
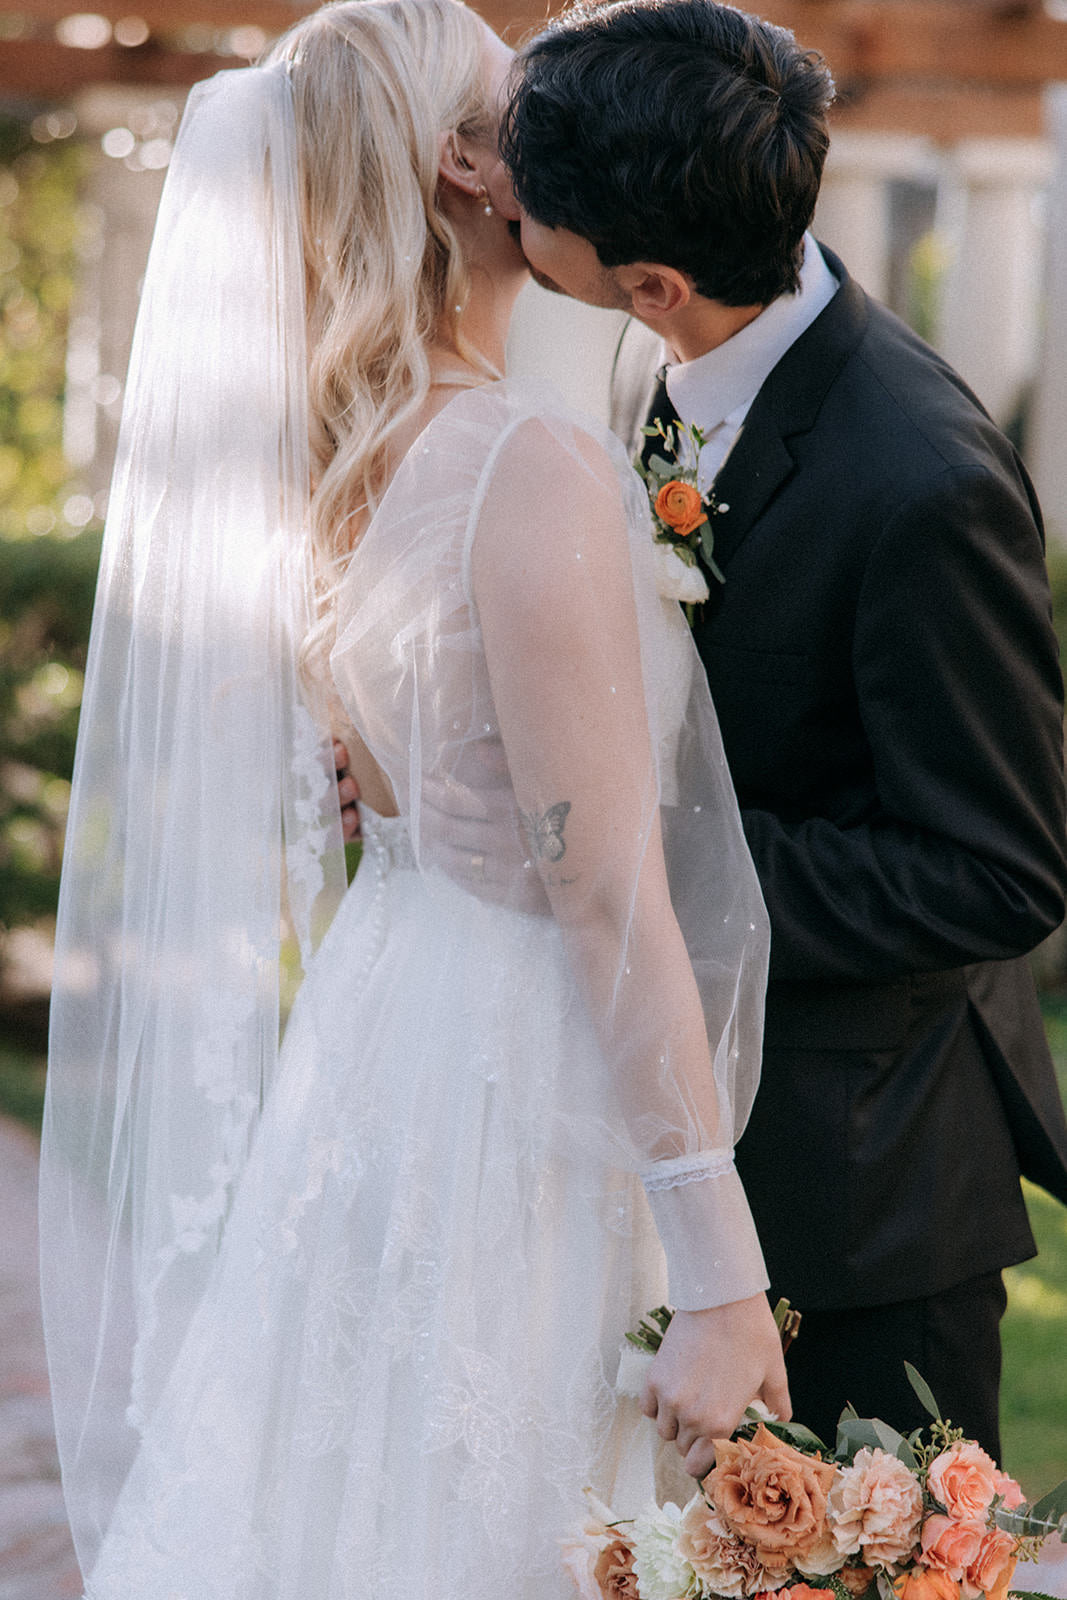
<point>401,1379</point>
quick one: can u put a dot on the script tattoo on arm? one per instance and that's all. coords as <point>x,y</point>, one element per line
<point>544,834</point>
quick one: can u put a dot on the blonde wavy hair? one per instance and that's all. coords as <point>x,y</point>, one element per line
<point>375,83</point>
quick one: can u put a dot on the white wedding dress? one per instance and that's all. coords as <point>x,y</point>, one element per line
<point>400,1377</point>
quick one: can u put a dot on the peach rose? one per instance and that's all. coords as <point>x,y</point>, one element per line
<point>679,505</point>
<point>950,1546</point>
<point>876,1506</point>
<point>614,1572</point>
<point>771,1495</point>
<point>964,1478</point>
<point>920,1585</point>
<point>1009,1491</point>
<point>801,1591</point>
<point>991,1571</point>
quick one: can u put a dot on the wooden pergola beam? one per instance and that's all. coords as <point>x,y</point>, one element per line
<point>941,67</point>
<point>954,40</point>
<point>38,69</point>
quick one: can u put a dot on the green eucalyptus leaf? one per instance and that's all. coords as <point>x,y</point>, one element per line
<point>1052,1506</point>
<point>923,1391</point>
<point>855,1433</point>
<point>794,1433</point>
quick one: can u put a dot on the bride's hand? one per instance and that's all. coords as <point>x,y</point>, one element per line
<point>710,1366</point>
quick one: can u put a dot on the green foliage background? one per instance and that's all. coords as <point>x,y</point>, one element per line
<point>47,568</point>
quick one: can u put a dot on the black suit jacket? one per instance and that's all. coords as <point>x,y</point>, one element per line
<point>883,663</point>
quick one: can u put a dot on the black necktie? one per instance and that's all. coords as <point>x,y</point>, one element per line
<point>660,410</point>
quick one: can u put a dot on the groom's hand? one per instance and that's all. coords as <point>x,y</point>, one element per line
<point>711,1365</point>
<point>347,793</point>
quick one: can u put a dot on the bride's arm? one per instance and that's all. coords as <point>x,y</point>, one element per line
<point>554,591</point>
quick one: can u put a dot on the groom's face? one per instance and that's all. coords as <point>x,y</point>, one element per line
<point>563,261</point>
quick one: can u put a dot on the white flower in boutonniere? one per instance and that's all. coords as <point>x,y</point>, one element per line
<point>681,515</point>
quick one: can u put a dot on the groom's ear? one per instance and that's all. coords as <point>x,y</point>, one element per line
<point>655,291</point>
<point>454,163</point>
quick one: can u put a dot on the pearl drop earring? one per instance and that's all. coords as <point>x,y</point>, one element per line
<point>483,194</point>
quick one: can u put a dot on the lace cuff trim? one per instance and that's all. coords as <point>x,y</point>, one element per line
<point>660,1175</point>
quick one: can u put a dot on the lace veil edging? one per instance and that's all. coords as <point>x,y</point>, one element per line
<point>194,745</point>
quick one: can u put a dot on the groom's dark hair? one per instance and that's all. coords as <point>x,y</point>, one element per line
<point>679,131</point>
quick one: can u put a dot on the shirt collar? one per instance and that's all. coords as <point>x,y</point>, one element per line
<point>707,391</point>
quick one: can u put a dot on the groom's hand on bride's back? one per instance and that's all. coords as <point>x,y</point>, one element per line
<point>347,793</point>
<point>711,1365</point>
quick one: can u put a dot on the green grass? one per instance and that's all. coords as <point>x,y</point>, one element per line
<point>1034,1392</point>
<point>21,1085</point>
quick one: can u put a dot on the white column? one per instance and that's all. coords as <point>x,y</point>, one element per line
<point>992,222</point>
<point>852,215</point>
<point>570,344</point>
<point>1047,445</point>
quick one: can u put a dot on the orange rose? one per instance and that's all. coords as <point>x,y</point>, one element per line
<point>679,505</point>
<point>964,1479</point>
<point>771,1495</point>
<point>920,1585</point>
<point>614,1572</point>
<point>857,1580</point>
<point>991,1571</point>
<point>950,1546</point>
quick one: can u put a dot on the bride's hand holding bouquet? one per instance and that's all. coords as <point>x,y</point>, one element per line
<point>705,1372</point>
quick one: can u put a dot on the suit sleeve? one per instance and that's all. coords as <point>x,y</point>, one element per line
<point>959,691</point>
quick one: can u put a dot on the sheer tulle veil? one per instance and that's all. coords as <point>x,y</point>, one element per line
<point>198,768</point>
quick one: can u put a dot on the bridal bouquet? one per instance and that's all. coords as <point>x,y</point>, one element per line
<point>884,1517</point>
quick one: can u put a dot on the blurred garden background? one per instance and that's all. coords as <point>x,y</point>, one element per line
<point>945,194</point>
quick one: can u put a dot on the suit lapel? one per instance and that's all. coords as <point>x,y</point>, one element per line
<point>785,408</point>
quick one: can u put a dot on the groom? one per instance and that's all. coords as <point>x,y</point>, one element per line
<point>885,674</point>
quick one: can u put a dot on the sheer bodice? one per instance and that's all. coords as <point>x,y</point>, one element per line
<point>421,696</point>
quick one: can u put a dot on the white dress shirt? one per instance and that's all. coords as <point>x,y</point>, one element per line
<point>714,392</point>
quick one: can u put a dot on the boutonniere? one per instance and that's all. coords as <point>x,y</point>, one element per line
<point>682,517</point>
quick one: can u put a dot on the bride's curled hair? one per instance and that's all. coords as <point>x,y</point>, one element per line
<point>375,84</point>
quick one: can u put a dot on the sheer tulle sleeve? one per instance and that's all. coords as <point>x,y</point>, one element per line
<point>597,690</point>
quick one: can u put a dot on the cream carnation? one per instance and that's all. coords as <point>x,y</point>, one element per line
<point>875,1506</point>
<point>662,1571</point>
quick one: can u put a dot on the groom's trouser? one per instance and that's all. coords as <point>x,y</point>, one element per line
<point>857,1357</point>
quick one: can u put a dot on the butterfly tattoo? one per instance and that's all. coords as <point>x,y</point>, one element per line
<point>545,832</point>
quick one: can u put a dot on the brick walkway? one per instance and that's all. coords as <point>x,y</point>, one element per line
<point>36,1556</point>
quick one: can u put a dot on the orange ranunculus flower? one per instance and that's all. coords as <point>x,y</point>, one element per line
<point>920,1584</point>
<point>772,1495</point>
<point>679,505</point>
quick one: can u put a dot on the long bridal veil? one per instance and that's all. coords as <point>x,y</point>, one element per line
<point>194,747</point>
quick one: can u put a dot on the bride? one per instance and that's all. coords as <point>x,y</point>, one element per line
<point>343,1318</point>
